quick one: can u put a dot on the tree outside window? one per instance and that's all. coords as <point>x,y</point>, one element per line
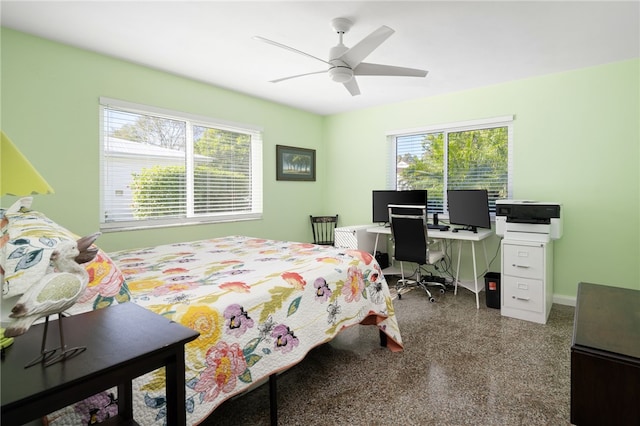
<point>467,159</point>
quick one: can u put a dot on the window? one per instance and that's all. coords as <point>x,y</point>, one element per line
<point>471,155</point>
<point>163,168</point>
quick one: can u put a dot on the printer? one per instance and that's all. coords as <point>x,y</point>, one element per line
<point>528,220</point>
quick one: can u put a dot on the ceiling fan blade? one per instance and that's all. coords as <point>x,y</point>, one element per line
<point>296,76</point>
<point>357,53</point>
<point>352,87</point>
<point>275,43</point>
<point>376,69</point>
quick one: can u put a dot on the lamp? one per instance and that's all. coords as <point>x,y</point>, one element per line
<point>17,177</point>
<point>17,174</point>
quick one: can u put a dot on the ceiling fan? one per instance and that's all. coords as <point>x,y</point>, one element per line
<point>346,63</point>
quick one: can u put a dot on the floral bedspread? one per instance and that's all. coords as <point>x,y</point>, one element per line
<point>259,305</point>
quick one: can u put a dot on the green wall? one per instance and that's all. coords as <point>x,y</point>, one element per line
<point>576,141</point>
<point>49,109</point>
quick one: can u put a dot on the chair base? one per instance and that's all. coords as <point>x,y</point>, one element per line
<point>423,283</point>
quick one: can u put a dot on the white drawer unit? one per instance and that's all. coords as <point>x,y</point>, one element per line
<point>356,237</point>
<point>527,280</point>
<point>523,293</point>
<point>523,260</point>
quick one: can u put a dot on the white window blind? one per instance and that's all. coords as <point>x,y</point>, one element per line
<point>470,155</point>
<point>165,168</point>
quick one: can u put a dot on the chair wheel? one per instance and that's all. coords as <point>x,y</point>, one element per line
<point>432,299</point>
<point>399,296</point>
<point>442,290</point>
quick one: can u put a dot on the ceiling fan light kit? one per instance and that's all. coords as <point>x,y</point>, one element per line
<point>341,74</point>
<point>345,63</point>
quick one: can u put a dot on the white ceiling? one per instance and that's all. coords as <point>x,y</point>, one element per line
<point>463,44</point>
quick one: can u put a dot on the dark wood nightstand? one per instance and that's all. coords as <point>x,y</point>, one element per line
<point>123,342</point>
<point>605,356</point>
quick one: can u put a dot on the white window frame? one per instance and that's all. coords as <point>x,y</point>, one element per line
<point>502,121</point>
<point>191,119</point>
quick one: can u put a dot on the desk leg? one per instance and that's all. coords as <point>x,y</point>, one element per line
<point>455,292</point>
<point>375,245</point>
<point>475,273</point>
<point>486,259</point>
<point>125,401</point>
<point>175,388</point>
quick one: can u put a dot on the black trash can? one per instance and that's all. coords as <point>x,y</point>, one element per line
<point>492,289</point>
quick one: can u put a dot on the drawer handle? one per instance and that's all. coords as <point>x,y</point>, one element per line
<point>520,266</point>
<point>526,299</point>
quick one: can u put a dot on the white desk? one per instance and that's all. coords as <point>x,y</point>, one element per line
<point>460,236</point>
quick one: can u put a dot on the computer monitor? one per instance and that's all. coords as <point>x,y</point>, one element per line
<point>382,198</point>
<point>469,208</point>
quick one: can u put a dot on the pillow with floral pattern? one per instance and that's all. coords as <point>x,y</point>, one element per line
<point>27,241</point>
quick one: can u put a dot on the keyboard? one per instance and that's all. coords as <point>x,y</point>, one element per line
<point>438,227</point>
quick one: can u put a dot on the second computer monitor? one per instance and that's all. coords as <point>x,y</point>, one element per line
<point>469,208</point>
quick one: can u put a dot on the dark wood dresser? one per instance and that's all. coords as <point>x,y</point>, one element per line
<point>605,356</point>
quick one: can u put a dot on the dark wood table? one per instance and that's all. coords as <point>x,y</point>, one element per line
<point>123,342</point>
<point>605,356</point>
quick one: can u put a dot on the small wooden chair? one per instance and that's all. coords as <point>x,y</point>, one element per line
<point>323,228</point>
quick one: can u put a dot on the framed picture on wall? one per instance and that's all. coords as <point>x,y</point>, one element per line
<point>295,163</point>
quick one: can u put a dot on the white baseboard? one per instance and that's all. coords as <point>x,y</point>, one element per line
<point>564,300</point>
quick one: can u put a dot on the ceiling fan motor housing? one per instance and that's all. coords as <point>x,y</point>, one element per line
<point>340,71</point>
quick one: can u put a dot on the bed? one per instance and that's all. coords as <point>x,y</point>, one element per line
<point>260,306</point>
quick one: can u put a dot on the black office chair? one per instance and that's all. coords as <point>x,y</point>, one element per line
<point>323,228</point>
<point>411,244</point>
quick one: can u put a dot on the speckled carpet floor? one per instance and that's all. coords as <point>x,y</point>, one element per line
<point>460,366</point>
